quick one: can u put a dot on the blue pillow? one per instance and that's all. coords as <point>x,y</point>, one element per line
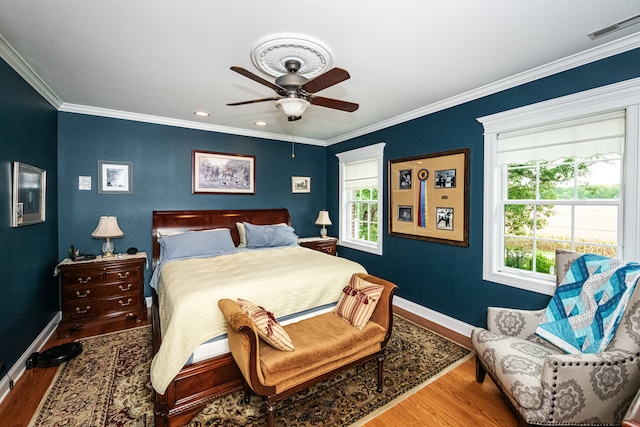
<point>269,236</point>
<point>197,244</point>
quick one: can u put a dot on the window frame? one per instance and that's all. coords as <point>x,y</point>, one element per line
<point>375,151</point>
<point>624,95</point>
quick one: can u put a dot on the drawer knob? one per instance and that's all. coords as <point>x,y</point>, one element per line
<point>82,311</point>
<point>123,276</point>
<point>124,304</point>
<point>125,289</point>
<point>329,250</point>
<point>86,293</point>
<point>83,281</point>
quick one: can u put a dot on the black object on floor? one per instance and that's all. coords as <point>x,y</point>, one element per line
<point>54,356</point>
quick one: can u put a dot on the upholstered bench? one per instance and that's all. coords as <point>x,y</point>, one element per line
<point>324,345</point>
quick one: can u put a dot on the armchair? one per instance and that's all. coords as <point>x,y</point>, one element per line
<point>548,387</point>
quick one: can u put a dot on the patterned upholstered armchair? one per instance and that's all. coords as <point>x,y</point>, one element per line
<point>548,387</point>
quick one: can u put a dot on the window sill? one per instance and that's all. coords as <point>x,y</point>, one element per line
<point>521,281</point>
<point>373,249</point>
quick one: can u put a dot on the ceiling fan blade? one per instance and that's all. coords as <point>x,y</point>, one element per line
<point>323,81</point>
<point>333,103</point>
<point>253,101</point>
<point>279,90</point>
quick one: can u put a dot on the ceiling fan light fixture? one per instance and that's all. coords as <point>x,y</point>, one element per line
<point>292,107</point>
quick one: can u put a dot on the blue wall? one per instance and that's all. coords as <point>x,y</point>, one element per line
<point>29,292</point>
<point>446,278</point>
<point>161,166</point>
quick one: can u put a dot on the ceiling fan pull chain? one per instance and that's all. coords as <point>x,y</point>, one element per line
<point>293,140</point>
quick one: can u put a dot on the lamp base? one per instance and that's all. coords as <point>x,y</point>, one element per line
<point>323,232</point>
<point>107,248</point>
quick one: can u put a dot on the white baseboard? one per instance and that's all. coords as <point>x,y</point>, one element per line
<point>20,366</point>
<point>434,316</point>
<point>149,301</point>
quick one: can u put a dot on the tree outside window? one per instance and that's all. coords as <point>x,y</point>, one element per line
<point>569,204</point>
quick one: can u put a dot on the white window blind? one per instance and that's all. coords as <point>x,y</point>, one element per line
<point>583,137</point>
<point>361,174</point>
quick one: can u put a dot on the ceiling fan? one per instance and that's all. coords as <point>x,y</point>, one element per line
<point>296,92</point>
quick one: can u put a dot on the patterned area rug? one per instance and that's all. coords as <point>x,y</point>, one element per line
<point>108,385</point>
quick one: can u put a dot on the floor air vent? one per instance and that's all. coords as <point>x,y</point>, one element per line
<point>614,27</point>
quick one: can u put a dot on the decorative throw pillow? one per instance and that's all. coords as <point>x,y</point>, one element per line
<point>586,308</point>
<point>268,327</point>
<point>358,300</point>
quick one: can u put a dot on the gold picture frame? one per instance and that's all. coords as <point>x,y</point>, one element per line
<point>429,197</point>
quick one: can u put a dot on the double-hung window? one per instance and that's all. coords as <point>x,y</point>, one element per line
<point>561,175</point>
<point>361,173</point>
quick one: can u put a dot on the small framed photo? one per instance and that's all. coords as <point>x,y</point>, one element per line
<point>405,179</point>
<point>445,179</point>
<point>29,195</point>
<point>405,213</point>
<point>223,173</point>
<point>114,178</point>
<point>301,184</point>
<point>444,218</point>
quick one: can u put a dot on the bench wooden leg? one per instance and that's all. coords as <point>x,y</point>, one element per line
<point>271,414</point>
<point>247,392</point>
<point>380,359</point>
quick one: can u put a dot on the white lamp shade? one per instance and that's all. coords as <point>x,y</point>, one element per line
<point>292,107</point>
<point>107,227</point>
<point>323,218</point>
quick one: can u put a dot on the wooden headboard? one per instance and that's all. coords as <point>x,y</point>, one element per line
<point>166,222</point>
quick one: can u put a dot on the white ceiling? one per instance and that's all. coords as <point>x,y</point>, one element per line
<point>161,60</point>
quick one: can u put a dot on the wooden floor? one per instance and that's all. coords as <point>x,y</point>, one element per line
<point>454,399</point>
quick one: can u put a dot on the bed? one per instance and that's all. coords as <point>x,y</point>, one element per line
<point>209,374</point>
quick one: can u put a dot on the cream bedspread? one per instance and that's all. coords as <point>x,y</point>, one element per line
<point>284,280</point>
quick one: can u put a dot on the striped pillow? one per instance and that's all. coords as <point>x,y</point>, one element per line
<point>358,300</point>
<point>268,327</point>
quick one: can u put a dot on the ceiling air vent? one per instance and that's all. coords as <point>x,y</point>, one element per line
<point>614,27</point>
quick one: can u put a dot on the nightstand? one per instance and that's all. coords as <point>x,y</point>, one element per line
<point>326,245</point>
<point>101,290</point>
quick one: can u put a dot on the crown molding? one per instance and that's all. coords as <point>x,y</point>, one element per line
<point>591,55</point>
<point>9,54</point>
<point>146,118</point>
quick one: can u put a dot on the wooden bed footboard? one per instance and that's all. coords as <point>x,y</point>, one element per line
<point>194,386</point>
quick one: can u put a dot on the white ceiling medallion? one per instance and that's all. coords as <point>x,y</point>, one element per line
<point>271,53</point>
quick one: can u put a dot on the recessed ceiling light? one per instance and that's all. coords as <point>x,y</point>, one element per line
<point>261,123</point>
<point>201,113</point>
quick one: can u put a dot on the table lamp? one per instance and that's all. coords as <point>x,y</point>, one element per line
<point>107,229</point>
<point>323,220</point>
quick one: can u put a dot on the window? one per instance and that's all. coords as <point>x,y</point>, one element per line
<point>561,175</point>
<point>361,198</point>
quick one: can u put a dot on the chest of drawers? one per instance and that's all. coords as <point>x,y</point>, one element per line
<point>102,290</point>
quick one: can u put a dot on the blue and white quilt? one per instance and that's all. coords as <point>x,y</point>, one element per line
<point>584,313</point>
